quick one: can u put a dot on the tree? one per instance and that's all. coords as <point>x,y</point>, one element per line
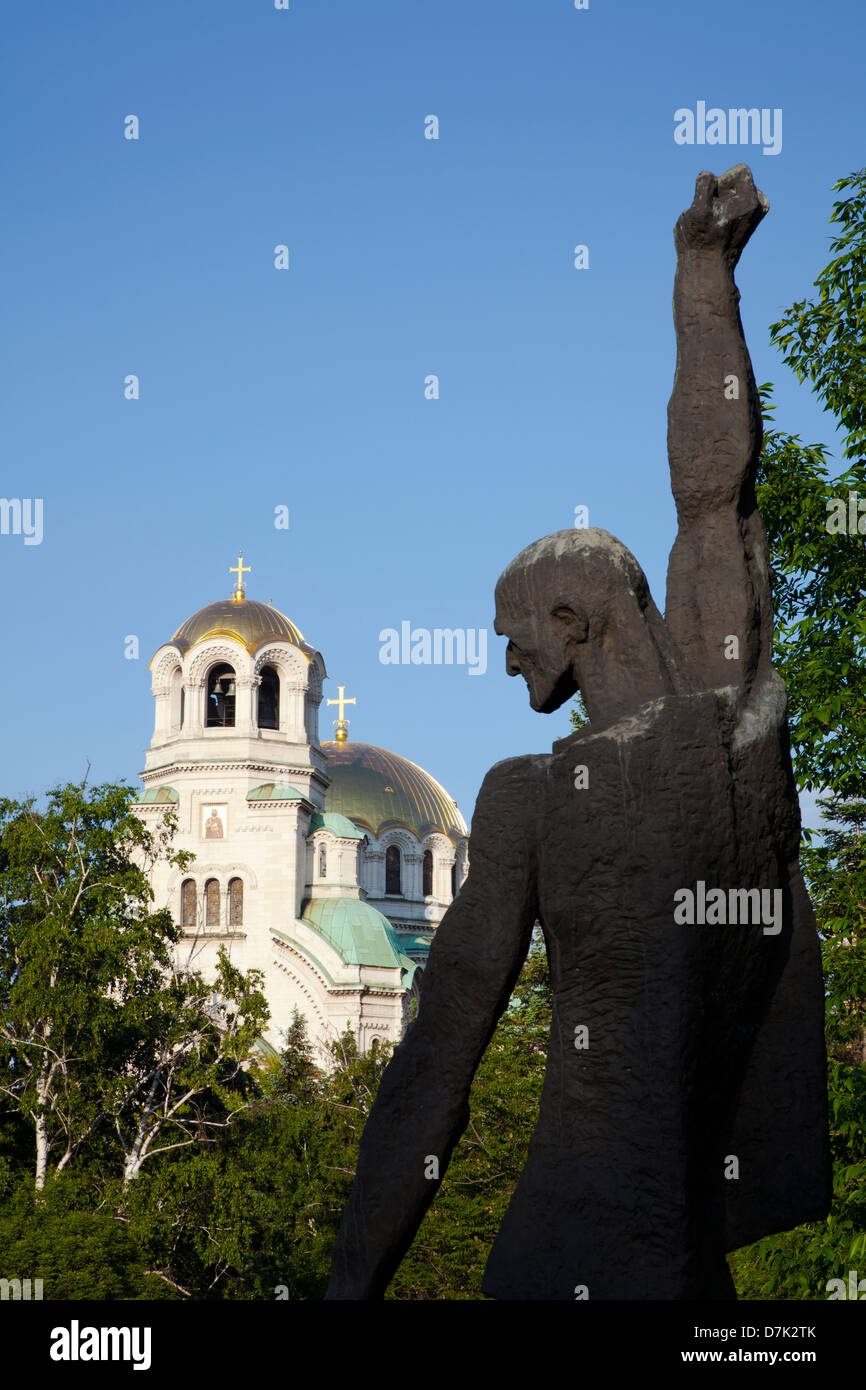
<point>298,1080</point>
<point>449,1253</point>
<point>184,1074</point>
<point>99,1028</point>
<point>256,1214</point>
<point>819,593</point>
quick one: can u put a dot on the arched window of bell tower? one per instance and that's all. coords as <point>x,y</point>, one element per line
<point>220,703</point>
<point>269,699</point>
<point>427,874</point>
<point>392,871</point>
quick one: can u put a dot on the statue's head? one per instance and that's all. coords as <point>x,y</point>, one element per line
<point>575,607</point>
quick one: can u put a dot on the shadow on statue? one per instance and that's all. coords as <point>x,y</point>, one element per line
<point>684,1110</point>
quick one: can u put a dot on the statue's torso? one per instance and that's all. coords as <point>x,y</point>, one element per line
<point>653,1021</point>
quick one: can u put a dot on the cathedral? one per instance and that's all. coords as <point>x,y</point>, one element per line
<point>327,866</point>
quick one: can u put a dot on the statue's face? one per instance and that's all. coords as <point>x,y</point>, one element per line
<point>539,651</point>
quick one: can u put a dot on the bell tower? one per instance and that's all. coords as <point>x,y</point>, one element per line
<point>235,755</point>
<point>277,877</point>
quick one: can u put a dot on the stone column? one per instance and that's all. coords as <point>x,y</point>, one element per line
<point>412,881</point>
<point>374,873</point>
<point>442,862</point>
<point>246,703</point>
<point>162,714</point>
<point>194,709</point>
<point>292,711</point>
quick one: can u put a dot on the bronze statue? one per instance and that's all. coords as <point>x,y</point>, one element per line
<point>684,1109</point>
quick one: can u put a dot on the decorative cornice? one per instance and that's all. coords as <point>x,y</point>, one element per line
<point>226,765</point>
<point>215,934</point>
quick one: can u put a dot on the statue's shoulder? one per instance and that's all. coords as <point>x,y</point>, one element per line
<point>514,778</point>
<point>738,718</point>
<point>625,728</point>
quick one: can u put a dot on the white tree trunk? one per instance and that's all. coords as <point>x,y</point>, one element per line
<point>41,1152</point>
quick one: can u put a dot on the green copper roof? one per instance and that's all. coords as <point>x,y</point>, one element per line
<point>420,941</point>
<point>337,824</point>
<point>275,791</point>
<point>358,933</point>
<point>159,796</point>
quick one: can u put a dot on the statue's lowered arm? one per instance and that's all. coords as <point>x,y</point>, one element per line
<point>718,577</point>
<point>421,1107</point>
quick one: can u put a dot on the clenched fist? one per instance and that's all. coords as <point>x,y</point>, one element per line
<point>724,213</point>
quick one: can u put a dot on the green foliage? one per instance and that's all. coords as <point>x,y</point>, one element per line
<point>259,1210</point>
<point>78,949</point>
<point>820,604</point>
<point>297,1080</point>
<point>818,577</point>
<point>578,714</point>
<point>836,873</point>
<point>78,1254</point>
<point>102,1037</point>
<point>821,339</point>
<point>449,1253</point>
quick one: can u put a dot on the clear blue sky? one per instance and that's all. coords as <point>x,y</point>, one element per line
<point>407,257</point>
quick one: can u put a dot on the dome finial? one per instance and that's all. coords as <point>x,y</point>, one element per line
<point>341,725</point>
<point>239,569</point>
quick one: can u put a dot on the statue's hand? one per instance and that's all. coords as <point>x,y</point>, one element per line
<point>725,212</point>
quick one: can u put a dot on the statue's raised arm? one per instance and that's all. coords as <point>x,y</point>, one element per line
<point>718,586</point>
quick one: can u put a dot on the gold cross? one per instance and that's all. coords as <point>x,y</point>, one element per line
<point>342,722</point>
<point>240,569</point>
<point>342,701</point>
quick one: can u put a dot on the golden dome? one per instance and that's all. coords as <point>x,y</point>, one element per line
<point>244,620</point>
<point>375,788</point>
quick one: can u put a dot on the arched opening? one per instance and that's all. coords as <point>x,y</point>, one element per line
<point>269,699</point>
<point>427,874</point>
<point>188,905</point>
<point>323,862</point>
<point>212,903</point>
<point>454,880</point>
<point>392,871</point>
<point>220,697</point>
<point>236,902</point>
